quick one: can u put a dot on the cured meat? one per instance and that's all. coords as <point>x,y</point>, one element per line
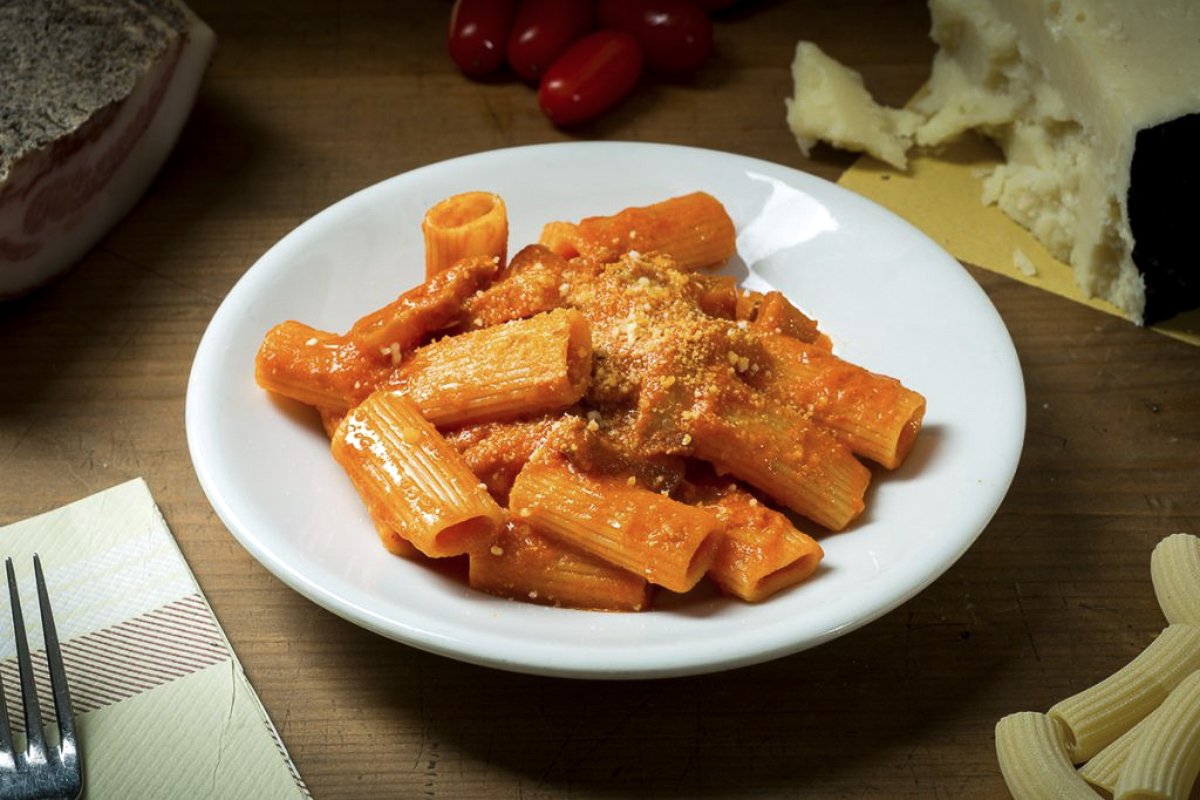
<point>93,95</point>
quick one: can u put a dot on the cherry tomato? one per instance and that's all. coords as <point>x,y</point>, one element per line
<point>544,29</point>
<point>593,75</point>
<point>675,35</point>
<point>478,34</point>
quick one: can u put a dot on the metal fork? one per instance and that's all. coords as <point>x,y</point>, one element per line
<point>40,772</point>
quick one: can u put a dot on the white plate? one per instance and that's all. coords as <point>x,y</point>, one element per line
<point>891,299</point>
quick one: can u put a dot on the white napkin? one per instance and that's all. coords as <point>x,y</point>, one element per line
<point>163,708</point>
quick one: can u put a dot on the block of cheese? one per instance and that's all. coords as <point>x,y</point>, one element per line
<point>93,94</point>
<point>1096,105</point>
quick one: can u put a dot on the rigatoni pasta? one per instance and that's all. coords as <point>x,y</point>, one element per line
<point>693,229</point>
<point>1034,761</point>
<point>1175,573</point>
<point>1165,755</point>
<point>1136,734</point>
<point>411,480</point>
<point>1095,717</point>
<point>560,419</point>
<point>465,225</point>
<point>669,543</point>
<point>509,370</point>
<point>524,564</point>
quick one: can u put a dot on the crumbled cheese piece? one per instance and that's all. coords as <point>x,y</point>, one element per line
<point>1023,263</point>
<point>831,104</point>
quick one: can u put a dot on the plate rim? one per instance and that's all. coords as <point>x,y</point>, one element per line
<point>430,641</point>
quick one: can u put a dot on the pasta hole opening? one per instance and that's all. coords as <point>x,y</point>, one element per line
<point>786,576</point>
<point>463,209</point>
<point>702,560</point>
<point>1065,734</point>
<point>463,537</point>
<point>578,355</point>
<point>908,436</point>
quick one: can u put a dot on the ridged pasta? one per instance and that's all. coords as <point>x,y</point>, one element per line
<point>785,455</point>
<point>667,542</point>
<point>876,416</point>
<point>760,551</point>
<point>462,226</point>
<point>1034,761</point>
<point>390,332</point>
<point>693,229</point>
<point>526,565</point>
<point>514,369</point>
<point>411,480</point>
<point>1103,770</point>
<point>585,385</point>
<point>1095,717</point>
<point>1165,756</point>
<point>1175,572</point>
<point>315,367</point>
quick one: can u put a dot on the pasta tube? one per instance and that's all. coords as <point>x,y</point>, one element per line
<point>411,480</point>
<point>518,368</point>
<point>536,280</point>
<point>525,565</point>
<point>760,551</point>
<point>876,416</point>
<point>1034,762</point>
<point>784,455</point>
<point>1165,757</point>
<point>315,367</point>
<point>1103,770</point>
<point>463,226</point>
<point>693,229</point>
<point>669,543</point>
<point>1095,717</point>
<point>776,314</point>
<point>1175,572</point>
<point>390,332</point>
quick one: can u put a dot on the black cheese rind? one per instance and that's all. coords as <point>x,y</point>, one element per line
<point>1164,213</point>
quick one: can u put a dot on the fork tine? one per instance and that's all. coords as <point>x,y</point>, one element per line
<point>6,740</point>
<point>34,735</point>
<point>54,660</point>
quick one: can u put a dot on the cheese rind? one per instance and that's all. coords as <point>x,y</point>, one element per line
<point>1066,87</point>
<point>1094,104</point>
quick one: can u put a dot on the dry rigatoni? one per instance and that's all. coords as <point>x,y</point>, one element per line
<point>1165,755</point>
<point>1175,573</point>
<point>1034,761</point>
<point>1095,717</point>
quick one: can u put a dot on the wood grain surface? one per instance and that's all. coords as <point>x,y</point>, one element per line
<point>308,101</point>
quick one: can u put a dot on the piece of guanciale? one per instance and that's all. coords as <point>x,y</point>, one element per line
<point>93,95</point>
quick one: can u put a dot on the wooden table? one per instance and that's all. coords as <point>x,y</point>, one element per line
<point>305,105</point>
